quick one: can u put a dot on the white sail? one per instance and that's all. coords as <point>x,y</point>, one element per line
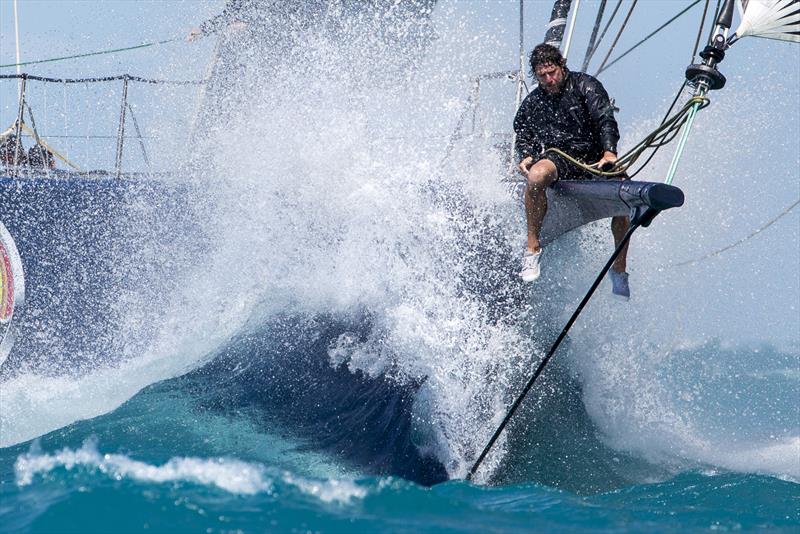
<point>771,19</point>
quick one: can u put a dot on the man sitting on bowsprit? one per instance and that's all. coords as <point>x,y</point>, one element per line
<point>569,111</point>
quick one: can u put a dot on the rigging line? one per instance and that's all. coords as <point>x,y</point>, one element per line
<point>590,47</point>
<point>616,39</point>
<point>658,137</point>
<point>631,49</point>
<point>95,136</point>
<point>664,142</point>
<point>98,53</point>
<point>666,115</point>
<point>139,136</point>
<point>700,31</point>
<point>129,77</point>
<point>37,138</point>
<point>603,33</point>
<point>742,240</point>
<point>51,149</point>
<point>512,410</point>
<point>716,13</point>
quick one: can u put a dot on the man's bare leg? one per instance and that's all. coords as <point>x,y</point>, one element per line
<point>620,225</point>
<point>540,175</point>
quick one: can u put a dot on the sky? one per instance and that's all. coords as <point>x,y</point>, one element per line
<point>757,114</point>
<point>52,28</point>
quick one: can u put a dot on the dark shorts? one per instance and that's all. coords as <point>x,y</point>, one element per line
<point>569,171</point>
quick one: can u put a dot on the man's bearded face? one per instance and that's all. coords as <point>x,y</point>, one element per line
<point>550,77</point>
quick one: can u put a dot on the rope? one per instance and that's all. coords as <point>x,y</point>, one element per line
<point>616,39</point>
<point>98,53</point>
<point>593,37</point>
<point>742,240</point>
<point>624,241</point>
<point>659,137</point>
<point>148,137</point>
<point>603,33</point>
<point>700,31</point>
<point>653,153</point>
<point>129,77</point>
<point>631,49</point>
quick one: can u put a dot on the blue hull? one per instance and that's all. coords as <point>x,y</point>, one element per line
<point>78,241</point>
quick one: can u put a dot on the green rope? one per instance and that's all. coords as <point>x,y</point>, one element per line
<point>682,143</point>
<point>101,52</point>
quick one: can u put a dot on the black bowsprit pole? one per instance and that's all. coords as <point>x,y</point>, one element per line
<point>642,218</point>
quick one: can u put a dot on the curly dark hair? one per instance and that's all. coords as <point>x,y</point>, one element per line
<point>544,54</point>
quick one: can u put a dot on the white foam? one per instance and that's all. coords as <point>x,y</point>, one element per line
<point>338,491</point>
<point>231,475</point>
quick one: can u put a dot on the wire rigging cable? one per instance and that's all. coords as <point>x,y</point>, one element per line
<point>602,34</point>
<point>97,53</point>
<point>128,77</point>
<point>512,410</point>
<point>605,66</point>
<point>700,32</point>
<point>593,38</point>
<point>616,39</point>
<point>742,240</point>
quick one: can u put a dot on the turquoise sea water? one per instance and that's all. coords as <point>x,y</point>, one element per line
<point>340,341</point>
<point>169,460</point>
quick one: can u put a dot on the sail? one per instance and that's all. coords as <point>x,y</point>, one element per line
<point>771,19</point>
<point>12,289</point>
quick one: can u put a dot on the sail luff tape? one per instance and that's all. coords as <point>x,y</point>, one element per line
<point>556,22</point>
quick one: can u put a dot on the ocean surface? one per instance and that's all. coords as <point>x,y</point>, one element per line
<point>321,332</point>
<point>173,458</point>
<point>198,453</point>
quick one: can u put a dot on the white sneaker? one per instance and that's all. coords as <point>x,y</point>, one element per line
<point>530,266</point>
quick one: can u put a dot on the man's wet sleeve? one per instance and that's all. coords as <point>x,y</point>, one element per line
<point>602,113</point>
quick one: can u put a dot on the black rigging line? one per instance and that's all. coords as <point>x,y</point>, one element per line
<point>616,39</point>
<point>742,240</point>
<point>591,45</point>
<point>666,115</point>
<point>603,33</point>
<point>700,31</point>
<point>102,79</point>
<point>631,49</point>
<point>635,223</point>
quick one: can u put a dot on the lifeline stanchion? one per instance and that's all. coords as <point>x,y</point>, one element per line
<point>641,219</point>
<point>121,131</point>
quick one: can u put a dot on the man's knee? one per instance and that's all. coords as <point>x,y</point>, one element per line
<point>541,174</point>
